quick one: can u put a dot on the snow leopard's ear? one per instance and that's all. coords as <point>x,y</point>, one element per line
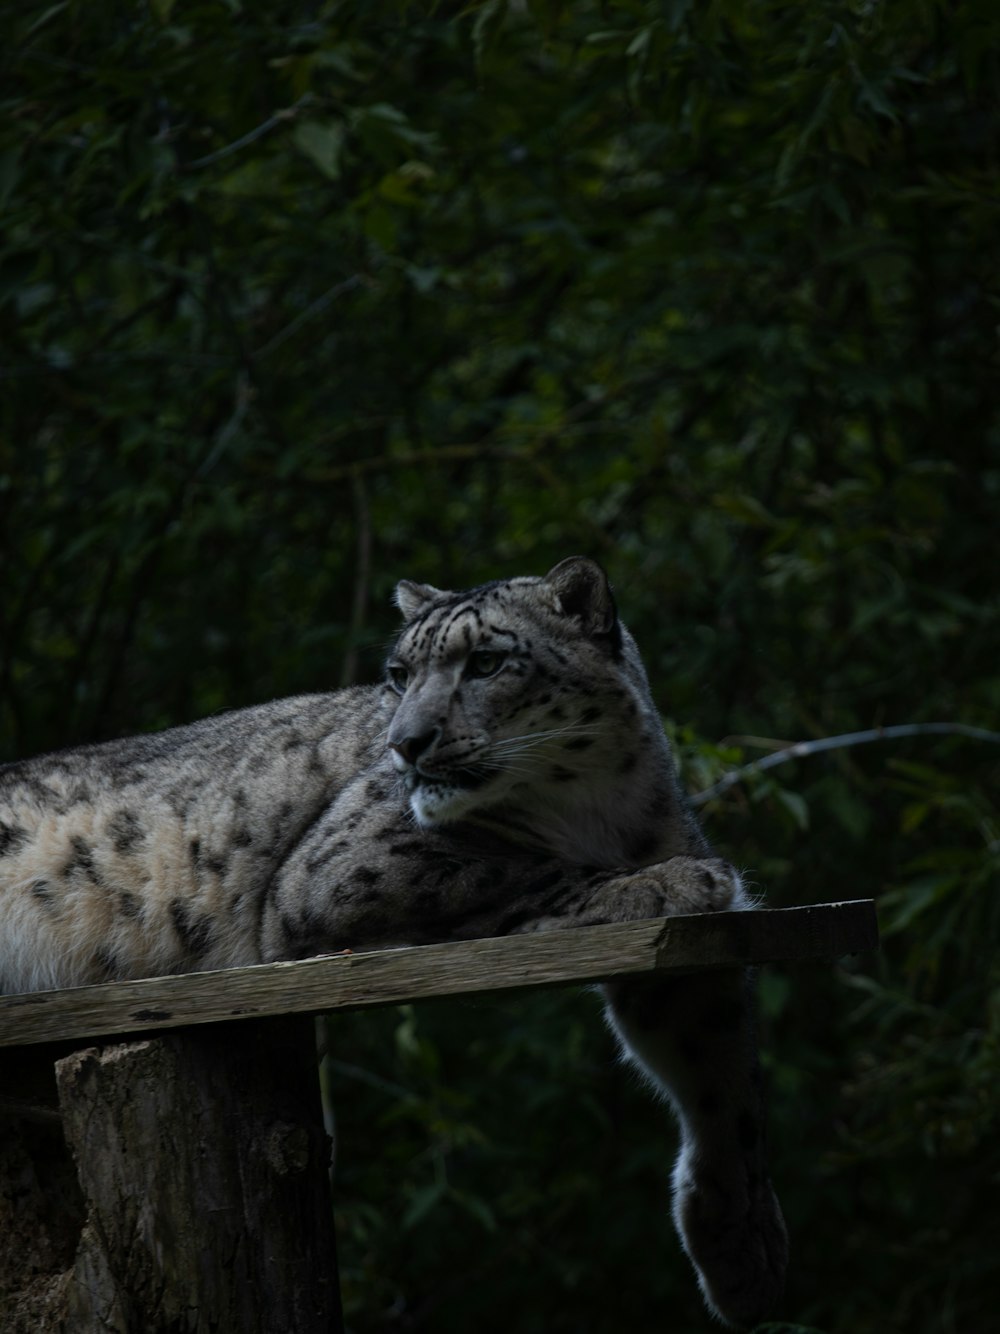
<point>412,599</point>
<point>582,590</point>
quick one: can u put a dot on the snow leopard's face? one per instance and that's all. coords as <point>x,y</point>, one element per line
<point>515,692</point>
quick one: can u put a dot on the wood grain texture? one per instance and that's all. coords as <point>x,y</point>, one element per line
<point>389,977</point>
<point>203,1163</point>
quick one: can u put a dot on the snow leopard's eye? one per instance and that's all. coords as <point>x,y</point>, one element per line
<point>484,663</point>
<point>399,677</point>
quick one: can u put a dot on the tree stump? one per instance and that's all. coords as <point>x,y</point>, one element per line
<point>202,1161</point>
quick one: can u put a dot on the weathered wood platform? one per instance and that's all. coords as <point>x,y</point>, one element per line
<point>391,977</point>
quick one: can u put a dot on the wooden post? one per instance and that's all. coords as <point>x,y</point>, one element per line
<point>203,1166</point>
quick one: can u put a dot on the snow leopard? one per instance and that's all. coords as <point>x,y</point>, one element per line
<point>511,773</point>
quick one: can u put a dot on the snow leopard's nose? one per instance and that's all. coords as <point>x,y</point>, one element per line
<point>412,747</point>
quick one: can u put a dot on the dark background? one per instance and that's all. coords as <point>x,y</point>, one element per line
<point>299,299</point>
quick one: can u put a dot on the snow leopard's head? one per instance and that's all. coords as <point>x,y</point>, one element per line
<point>523,691</point>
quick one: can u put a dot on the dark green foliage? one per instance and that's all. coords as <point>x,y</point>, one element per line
<point>298,299</point>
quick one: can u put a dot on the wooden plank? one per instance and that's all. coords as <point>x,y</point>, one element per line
<point>388,977</point>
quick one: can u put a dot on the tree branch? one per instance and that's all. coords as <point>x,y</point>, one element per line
<point>803,748</point>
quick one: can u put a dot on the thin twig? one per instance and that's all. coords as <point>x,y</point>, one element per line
<point>802,748</point>
<point>311,311</point>
<point>242,398</point>
<point>362,579</point>
<point>411,459</point>
<point>279,118</point>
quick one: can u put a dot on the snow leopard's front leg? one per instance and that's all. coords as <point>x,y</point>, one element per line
<point>364,876</point>
<point>694,1038</point>
<point>375,881</point>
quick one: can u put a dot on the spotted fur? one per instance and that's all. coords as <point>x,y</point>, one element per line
<point>511,775</point>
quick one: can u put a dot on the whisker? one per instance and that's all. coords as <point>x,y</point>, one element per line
<point>514,770</point>
<point>515,752</point>
<point>556,731</point>
<point>533,739</point>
